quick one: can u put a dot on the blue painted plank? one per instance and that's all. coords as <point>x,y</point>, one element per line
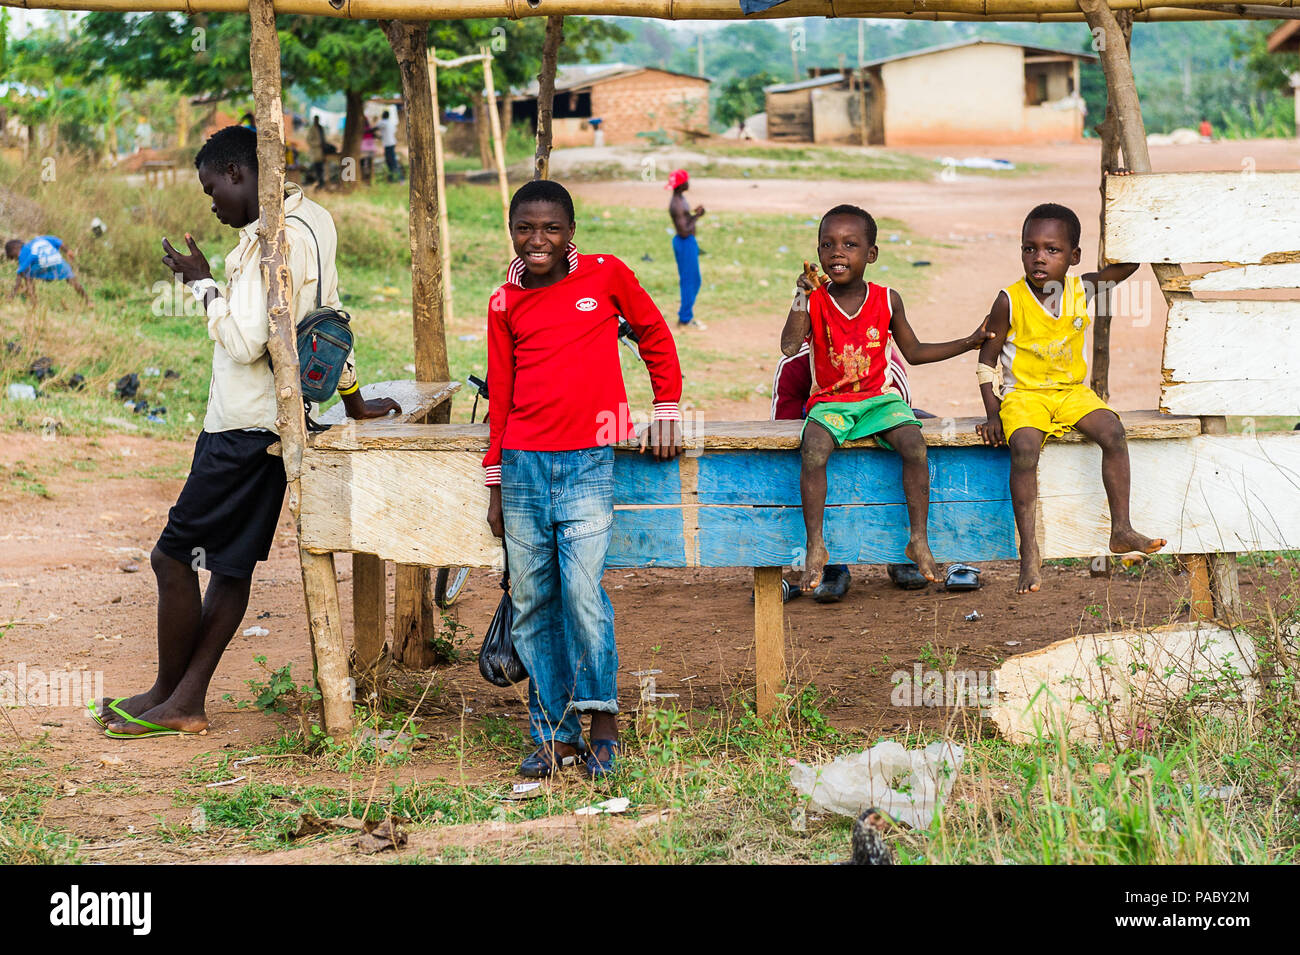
<point>855,534</point>
<point>640,479</point>
<point>853,476</point>
<point>647,537</point>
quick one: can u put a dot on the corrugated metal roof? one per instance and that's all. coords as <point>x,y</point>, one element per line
<point>1027,47</point>
<point>825,80</point>
<point>582,75</point>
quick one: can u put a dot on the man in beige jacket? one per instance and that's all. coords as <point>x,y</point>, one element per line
<point>226,515</point>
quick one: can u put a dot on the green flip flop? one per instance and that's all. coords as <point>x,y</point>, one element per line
<point>90,705</point>
<point>154,730</point>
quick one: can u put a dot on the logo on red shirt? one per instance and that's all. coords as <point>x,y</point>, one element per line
<point>586,304</point>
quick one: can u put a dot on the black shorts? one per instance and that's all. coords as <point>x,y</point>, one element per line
<point>225,519</point>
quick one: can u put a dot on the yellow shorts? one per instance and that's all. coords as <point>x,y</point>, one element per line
<point>1052,412</point>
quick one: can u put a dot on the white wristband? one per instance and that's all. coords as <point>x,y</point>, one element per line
<point>200,289</point>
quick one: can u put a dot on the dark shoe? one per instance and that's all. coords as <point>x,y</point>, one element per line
<point>834,585</point>
<point>789,592</point>
<point>595,767</point>
<point>542,762</point>
<point>907,577</point>
<point>962,577</point>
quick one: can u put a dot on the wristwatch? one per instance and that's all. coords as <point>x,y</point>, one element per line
<point>200,288</point>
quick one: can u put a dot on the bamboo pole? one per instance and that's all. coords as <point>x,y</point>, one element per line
<point>319,586</point>
<point>498,148</point>
<point>978,10</point>
<point>1110,145</point>
<point>440,173</point>
<point>546,96</point>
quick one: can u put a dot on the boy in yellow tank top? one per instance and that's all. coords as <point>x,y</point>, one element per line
<point>1038,326</point>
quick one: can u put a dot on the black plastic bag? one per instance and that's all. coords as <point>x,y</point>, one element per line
<point>497,660</point>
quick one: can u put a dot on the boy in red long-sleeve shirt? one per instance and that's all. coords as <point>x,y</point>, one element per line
<point>558,405</point>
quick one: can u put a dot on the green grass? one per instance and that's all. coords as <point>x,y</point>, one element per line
<point>26,784</point>
<point>875,164</point>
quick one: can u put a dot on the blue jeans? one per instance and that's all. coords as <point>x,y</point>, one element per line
<point>687,252</point>
<point>558,508</point>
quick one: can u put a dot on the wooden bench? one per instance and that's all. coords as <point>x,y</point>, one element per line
<point>414,494</point>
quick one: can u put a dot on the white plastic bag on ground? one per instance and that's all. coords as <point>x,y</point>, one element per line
<point>909,785</point>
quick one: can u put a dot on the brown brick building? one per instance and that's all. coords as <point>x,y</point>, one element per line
<point>626,100</point>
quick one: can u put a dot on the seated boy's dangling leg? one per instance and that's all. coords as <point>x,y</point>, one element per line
<point>1104,427</point>
<point>908,441</point>
<point>815,449</point>
<point>1026,444</point>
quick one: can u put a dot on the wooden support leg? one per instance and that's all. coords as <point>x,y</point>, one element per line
<point>369,623</point>
<point>1198,576</point>
<point>1224,587</point>
<point>769,637</point>
<point>414,617</point>
<point>319,586</point>
<point>325,624</point>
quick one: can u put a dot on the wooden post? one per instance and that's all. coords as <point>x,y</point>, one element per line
<point>546,96</point>
<point>1121,92</point>
<point>409,40</point>
<point>769,638</point>
<point>1200,597</point>
<point>319,585</point>
<point>439,160</point>
<point>369,623</point>
<point>1109,132</point>
<point>498,148</point>
<point>415,618</point>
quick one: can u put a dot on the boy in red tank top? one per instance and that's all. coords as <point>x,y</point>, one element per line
<point>849,323</point>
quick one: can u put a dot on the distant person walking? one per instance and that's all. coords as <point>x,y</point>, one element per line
<point>388,138</point>
<point>685,249</point>
<point>317,143</point>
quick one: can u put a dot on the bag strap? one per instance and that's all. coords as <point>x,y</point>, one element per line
<point>320,272</point>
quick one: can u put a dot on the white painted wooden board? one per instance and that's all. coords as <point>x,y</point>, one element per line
<point>412,507</point>
<point>1202,216</point>
<point>1229,493</point>
<point>1232,358</point>
<point>1248,278</point>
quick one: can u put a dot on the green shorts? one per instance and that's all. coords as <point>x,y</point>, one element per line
<point>850,420</point>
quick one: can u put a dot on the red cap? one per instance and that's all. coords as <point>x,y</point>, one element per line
<point>676,178</point>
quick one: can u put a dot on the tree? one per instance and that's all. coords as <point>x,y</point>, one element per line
<point>741,97</point>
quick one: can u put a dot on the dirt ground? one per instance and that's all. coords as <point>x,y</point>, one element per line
<point>76,592</point>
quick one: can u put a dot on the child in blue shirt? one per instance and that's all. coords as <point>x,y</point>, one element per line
<point>42,258</point>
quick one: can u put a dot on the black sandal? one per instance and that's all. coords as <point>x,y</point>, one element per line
<point>541,763</point>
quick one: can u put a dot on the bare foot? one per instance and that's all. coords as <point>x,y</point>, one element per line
<point>1131,542</point>
<point>813,565</point>
<point>1031,572</point>
<point>135,705</point>
<point>918,552</point>
<point>165,716</point>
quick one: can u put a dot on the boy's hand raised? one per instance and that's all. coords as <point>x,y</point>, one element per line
<point>190,267</point>
<point>663,439</point>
